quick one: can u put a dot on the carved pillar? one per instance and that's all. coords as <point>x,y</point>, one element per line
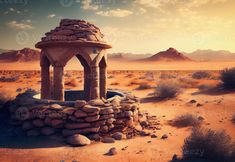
<point>94,88</point>
<point>58,80</point>
<point>103,78</point>
<point>45,77</point>
<point>87,82</point>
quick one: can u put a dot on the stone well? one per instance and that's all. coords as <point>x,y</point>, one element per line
<point>91,111</point>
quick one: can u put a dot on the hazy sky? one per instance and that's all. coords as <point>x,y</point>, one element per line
<point>137,26</point>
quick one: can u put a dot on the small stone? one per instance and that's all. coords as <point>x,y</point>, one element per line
<point>78,140</point>
<point>165,136</point>
<point>199,105</point>
<point>174,158</point>
<point>90,109</point>
<point>112,151</point>
<point>143,133</point>
<point>144,124</point>
<point>80,114</point>
<point>80,103</point>
<point>55,106</point>
<point>96,102</point>
<point>47,131</point>
<point>193,101</point>
<point>108,140</point>
<point>118,136</point>
<point>153,136</point>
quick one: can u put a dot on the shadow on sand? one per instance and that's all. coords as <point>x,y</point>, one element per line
<point>217,91</point>
<point>152,99</point>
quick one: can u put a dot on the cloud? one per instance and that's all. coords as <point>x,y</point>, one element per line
<point>16,25</point>
<point>115,13</point>
<point>51,16</point>
<point>88,5</point>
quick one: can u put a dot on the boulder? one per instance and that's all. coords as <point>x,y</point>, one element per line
<point>80,103</point>
<point>78,140</point>
<point>80,114</point>
<point>95,137</point>
<point>112,151</point>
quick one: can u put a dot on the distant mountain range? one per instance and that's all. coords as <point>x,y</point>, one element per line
<point>171,54</point>
<point>23,55</point>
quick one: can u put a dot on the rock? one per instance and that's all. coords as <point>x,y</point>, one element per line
<point>77,125</point>
<point>108,140</point>
<point>96,102</point>
<point>144,124</point>
<point>153,136</point>
<point>104,129</point>
<point>126,107</point>
<point>69,110</point>
<point>80,114</point>
<point>116,102</point>
<point>193,101</point>
<point>174,158</point>
<point>80,103</point>
<point>95,137</point>
<point>98,123</point>
<point>56,107</point>
<point>106,111</point>
<point>112,151</point>
<point>27,125</point>
<point>143,133</point>
<point>92,118</point>
<point>33,132</point>
<point>57,123</point>
<point>165,136</point>
<point>199,105</point>
<point>108,116</point>
<point>90,109</point>
<point>118,136</point>
<point>38,123</point>
<point>47,131</point>
<point>78,140</point>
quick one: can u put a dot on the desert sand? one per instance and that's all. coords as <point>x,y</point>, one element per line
<point>217,108</point>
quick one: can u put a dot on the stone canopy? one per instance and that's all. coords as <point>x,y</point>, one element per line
<point>73,38</point>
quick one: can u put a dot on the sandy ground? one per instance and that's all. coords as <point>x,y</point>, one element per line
<point>217,109</point>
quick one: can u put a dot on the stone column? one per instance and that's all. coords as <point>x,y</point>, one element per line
<point>45,77</point>
<point>94,87</point>
<point>103,78</point>
<point>87,79</point>
<point>58,81</point>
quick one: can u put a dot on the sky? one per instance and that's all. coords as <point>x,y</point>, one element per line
<point>135,26</point>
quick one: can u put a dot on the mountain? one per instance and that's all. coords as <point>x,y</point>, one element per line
<point>169,55</point>
<point>23,55</point>
<point>211,55</point>
<point>127,56</point>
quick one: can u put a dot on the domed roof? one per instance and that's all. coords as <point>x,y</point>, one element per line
<point>71,30</point>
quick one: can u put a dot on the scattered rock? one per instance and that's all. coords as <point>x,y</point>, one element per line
<point>153,136</point>
<point>78,140</point>
<point>108,140</point>
<point>165,136</point>
<point>118,136</point>
<point>112,151</point>
<point>143,133</point>
<point>199,105</point>
<point>144,124</point>
<point>193,101</point>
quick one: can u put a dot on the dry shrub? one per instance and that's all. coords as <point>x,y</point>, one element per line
<point>209,145</point>
<point>188,82</point>
<point>72,82</point>
<point>167,89</point>
<point>201,75</point>
<point>228,78</point>
<point>9,79</point>
<point>143,86</point>
<point>185,121</point>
